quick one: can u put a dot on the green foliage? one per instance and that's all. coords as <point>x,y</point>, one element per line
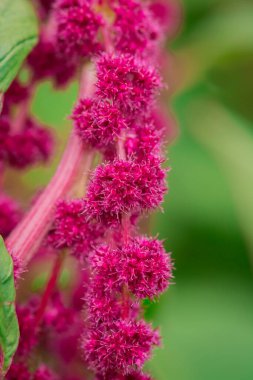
<point>9,329</point>
<point>18,34</point>
<point>206,318</point>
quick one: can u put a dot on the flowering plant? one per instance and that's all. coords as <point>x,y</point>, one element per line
<point>97,330</point>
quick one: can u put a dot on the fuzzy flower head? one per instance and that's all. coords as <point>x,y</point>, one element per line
<point>16,93</point>
<point>127,82</point>
<point>31,145</point>
<point>144,141</point>
<point>18,371</point>
<point>46,63</point>
<point>44,373</point>
<point>10,214</point>
<point>26,317</point>
<point>135,30</point>
<point>71,228</point>
<point>100,307</point>
<point>58,316</point>
<point>123,187</point>
<point>77,27</point>
<point>142,265</point>
<point>69,224</point>
<point>105,264</point>
<point>131,376</point>
<point>145,267</point>
<point>98,122</point>
<point>102,299</point>
<point>119,347</point>
<point>168,15</point>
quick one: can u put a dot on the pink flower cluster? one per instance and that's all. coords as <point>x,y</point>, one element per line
<point>69,35</point>
<point>118,122</point>
<point>141,35</point>
<point>72,230</point>
<point>141,265</point>
<point>97,325</point>
<point>23,143</point>
<point>19,371</point>
<point>10,214</point>
<point>57,321</point>
<point>122,187</point>
<point>77,27</point>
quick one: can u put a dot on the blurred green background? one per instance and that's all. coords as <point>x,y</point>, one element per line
<point>206,318</point>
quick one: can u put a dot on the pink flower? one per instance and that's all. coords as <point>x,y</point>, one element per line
<point>98,123</point>
<point>123,187</point>
<point>16,93</point>
<point>31,145</point>
<point>69,225</point>
<point>127,82</point>
<point>119,347</point>
<point>142,265</point>
<point>71,228</point>
<point>145,267</point>
<point>44,373</point>
<point>77,27</point>
<point>46,63</point>
<point>132,376</point>
<point>10,214</point>
<point>67,346</point>
<point>135,29</point>
<point>168,15</point>
<point>143,141</point>
<point>57,316</point>
<point>100,307</point>
<point>105,305</point>
<point>26,318</point>
<point>18,371</point>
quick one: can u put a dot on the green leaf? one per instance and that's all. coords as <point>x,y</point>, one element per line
<point>9,329</point>
<point>18,35</point>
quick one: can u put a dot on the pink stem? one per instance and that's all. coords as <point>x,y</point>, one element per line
<point>125,227</point>
<point>23,111</point>
<point>107,39</point>
<point>125,303</point>
<point>121,146</point>
<point>30,232</point>
<point>1,101</point>
<point>50,28</point>
<point>56,270</point>
<point>1,174</point>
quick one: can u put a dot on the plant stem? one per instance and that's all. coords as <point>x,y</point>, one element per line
<point>107,38</point>
<point>23,111</point>
<point>120,146</point>
<point>26,238</point>
<point>125,303</point>
<point>1,101</point>
<point>56,270</point>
